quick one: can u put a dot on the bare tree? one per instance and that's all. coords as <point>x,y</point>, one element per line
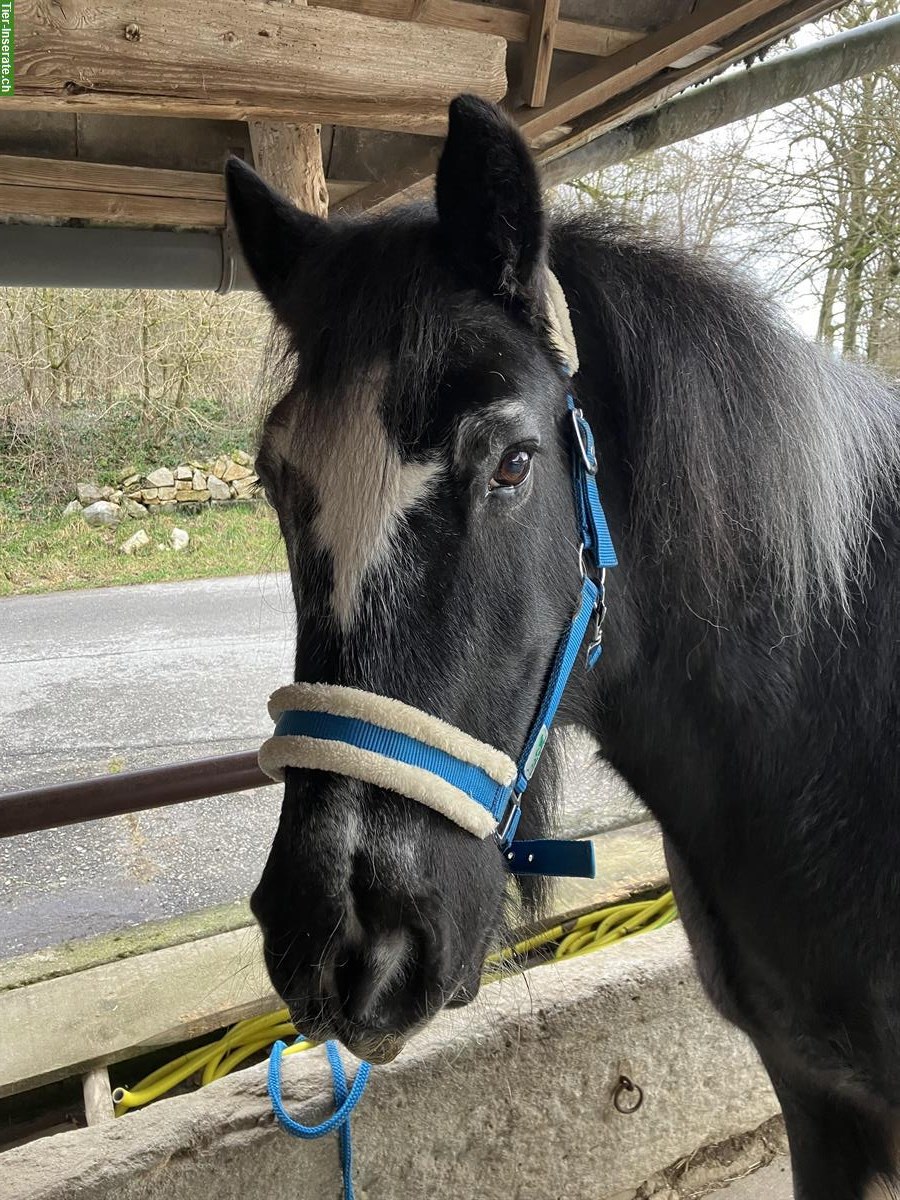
<point>806,198</point>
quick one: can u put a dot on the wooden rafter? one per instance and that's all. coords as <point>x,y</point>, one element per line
<point>413,183</point>
<point>512,24</point>
<point>75,175</point>
<point>416,181</point>
<point>708,23</point>
<point>744,42</point>
<point>247,61</point>
<point>111,207</point>
<point>784,77</point>
<point>539,51</point>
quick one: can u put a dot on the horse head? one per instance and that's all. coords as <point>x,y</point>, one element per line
<point>419,466</point>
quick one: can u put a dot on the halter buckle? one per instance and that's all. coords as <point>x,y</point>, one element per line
<point>506,831</point>
<point>581,427</point>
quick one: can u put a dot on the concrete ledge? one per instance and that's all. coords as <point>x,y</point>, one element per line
<point>511,1097</point>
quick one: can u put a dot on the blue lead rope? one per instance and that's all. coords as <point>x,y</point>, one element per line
<point>345,1102</point>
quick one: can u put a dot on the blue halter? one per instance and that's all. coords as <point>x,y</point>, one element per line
<point>559,856</point>
<point>547,856</point>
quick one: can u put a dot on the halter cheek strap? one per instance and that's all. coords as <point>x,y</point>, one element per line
<point>379,740</point>
<point>384,742</point>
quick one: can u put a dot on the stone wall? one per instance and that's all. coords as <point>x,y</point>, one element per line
<point>226,480</point>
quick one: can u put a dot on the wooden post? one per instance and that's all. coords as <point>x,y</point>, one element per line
<point>98,1105</point>
<point>289,156</point>
<point>539,51</point>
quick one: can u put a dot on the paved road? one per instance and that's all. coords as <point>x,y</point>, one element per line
<point>130,677</point>
<point>124,678</point>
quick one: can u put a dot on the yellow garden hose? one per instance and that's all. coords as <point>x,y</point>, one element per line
<point>569,939</point>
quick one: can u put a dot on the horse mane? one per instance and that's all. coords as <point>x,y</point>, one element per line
<point>756,457</point>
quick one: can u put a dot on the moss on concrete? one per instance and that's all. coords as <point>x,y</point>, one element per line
<point>71,957</point>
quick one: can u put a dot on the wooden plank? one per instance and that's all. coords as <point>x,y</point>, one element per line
<point>415,182</point>
<point>75,175</point>
<point>509,23</point>
<point>539,51</point>
<point>708,23</point>
<point>340,189</point>
<point>248,61</point>
<point>111,207</point>
<point>69,958</point>
<point>116,208</point>
<point>66,1026</point>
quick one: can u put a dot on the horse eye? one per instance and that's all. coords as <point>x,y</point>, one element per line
<point>512,469</point>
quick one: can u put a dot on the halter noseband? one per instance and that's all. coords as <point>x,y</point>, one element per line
<point>384,742</point>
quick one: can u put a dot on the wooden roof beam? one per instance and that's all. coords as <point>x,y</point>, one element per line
<point>745,41</point>
<point>709,22</point>
<point>112,194</point>
<point>247,61</point>
<point>512,24</point>
<point>111,207</point>
<point>416,181</point>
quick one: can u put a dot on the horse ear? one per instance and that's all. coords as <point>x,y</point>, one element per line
<point>489,200</point>
<point>272,231</point>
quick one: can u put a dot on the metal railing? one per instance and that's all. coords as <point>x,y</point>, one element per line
<point>130,791</point>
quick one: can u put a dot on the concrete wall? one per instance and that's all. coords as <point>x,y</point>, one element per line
<point>509,1098</point>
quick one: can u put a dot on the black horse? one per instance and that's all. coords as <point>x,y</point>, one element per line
<point>419,466</point>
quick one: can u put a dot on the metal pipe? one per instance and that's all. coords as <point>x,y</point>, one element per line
<point>131,791</point>
<point>833,60</point>
<point>60,256</point>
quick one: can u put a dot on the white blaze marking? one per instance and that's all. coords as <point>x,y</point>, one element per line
<point>363,488</point>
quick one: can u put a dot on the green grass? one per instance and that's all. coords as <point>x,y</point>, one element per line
<point>55,554</point>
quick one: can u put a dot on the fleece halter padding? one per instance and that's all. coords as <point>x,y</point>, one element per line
<point>393,746</point>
